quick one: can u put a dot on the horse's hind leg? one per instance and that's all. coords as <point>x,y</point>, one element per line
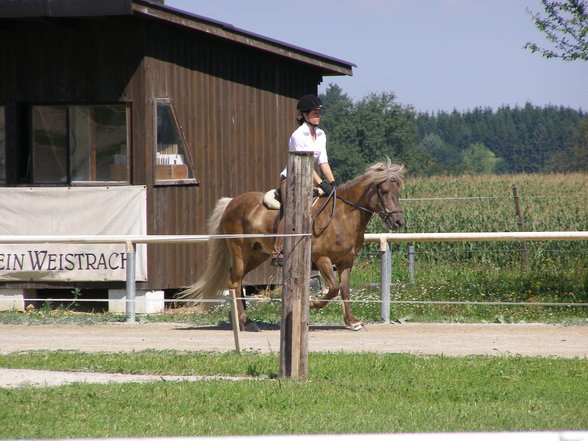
<point>236,277</point>
<point>326,269</point>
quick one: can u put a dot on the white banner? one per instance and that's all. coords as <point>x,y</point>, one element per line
<point>117,210</point>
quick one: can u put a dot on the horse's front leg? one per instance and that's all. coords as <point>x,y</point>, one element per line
<point>325,267</point>
<point>349,318</point>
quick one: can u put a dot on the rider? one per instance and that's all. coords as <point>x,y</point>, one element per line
<point>307,138</point>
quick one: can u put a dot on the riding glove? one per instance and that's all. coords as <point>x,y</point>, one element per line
<point>326,187</point>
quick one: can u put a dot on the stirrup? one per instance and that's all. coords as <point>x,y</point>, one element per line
<point>277,261</point>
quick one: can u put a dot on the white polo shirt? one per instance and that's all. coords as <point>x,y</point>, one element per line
<point>301,141</point>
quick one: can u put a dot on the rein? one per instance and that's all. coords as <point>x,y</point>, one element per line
<point>353,204</point>
<point>332,195</point>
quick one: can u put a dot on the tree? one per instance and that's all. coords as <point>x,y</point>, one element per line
<point>344,157</point>
<point>365,132</point>
<point>445,156</point>
<point>575,156</point>
<point>566,25</point>
<point>478,158</point>
<point>335,101</point>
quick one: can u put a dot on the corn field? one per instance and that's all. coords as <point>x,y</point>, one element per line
<point>483,203</point>
<point>488,271</point>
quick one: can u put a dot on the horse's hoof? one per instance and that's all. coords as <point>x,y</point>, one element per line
<point>251,327</point>
<point>358,327</point>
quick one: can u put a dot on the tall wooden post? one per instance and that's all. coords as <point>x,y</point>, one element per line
<point>296,271</point>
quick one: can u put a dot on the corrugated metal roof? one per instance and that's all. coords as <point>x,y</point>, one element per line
<point>151,8</point>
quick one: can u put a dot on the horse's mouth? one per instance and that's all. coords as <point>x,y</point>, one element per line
<point>394,224</point>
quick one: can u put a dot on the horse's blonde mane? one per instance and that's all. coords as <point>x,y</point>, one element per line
<point>378,172</point>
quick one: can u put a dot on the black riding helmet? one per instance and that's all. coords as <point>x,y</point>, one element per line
<point>309,102</point>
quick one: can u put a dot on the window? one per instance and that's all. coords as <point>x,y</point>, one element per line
<point>49,144</point>
<point>79,143</point>
<point>2,146</point>
<point>172,163</point>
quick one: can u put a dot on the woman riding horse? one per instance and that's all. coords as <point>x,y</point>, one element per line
<point>307,138</point>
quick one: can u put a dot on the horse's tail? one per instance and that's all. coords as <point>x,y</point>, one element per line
<point>218,263</point>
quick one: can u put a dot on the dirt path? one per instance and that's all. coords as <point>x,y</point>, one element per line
<point>415,338</point>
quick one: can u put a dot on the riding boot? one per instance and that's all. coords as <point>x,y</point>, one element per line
<point>277,254</point>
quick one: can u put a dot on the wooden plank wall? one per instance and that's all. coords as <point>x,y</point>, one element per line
<point>237,108</point>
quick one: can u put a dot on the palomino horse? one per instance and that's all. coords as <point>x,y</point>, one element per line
<point>337,236</point>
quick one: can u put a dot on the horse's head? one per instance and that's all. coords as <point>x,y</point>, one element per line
<point>385,182</point>
<point>378,191</point>
<point>388,203</point>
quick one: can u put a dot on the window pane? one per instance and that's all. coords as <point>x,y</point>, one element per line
<point>98,141</point>
<point>2,145</point>
<point>49,144</point>
<point>171,159</point>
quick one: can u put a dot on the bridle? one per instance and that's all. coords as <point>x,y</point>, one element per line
<point>382,211</point>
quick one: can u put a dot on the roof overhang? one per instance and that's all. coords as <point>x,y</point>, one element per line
<point>158,11</point>
<point>328,65</point>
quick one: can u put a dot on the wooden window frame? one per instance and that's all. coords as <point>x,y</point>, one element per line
<point>192,181</point>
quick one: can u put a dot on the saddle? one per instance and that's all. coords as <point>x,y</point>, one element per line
<point>272,202</point>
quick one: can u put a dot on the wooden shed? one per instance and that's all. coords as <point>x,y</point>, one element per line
<point>133,94</point>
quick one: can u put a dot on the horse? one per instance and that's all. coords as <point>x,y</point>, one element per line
<point>339,223</point>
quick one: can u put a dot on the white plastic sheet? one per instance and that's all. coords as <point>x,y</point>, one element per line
<point>117,210</point>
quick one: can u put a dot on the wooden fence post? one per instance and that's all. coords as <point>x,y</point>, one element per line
<point>296,270</point>
<point>523,244</point>
<point>232,299</point>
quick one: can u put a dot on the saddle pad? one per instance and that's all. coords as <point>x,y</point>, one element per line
<point>270,201</point>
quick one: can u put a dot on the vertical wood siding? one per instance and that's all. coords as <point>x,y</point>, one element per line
<point>237,109</point>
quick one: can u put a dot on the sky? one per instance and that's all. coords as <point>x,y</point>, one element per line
<point>433,55</point>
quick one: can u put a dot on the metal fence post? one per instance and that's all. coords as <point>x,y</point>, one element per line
<point>130,304</point>
<point>385,279</point>
<point>411,263</point>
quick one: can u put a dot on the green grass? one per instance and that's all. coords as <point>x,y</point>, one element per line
<point>344,393</point>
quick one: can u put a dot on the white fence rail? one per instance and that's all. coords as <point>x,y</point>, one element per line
<point>384,239</point>
<point>386,253</point>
